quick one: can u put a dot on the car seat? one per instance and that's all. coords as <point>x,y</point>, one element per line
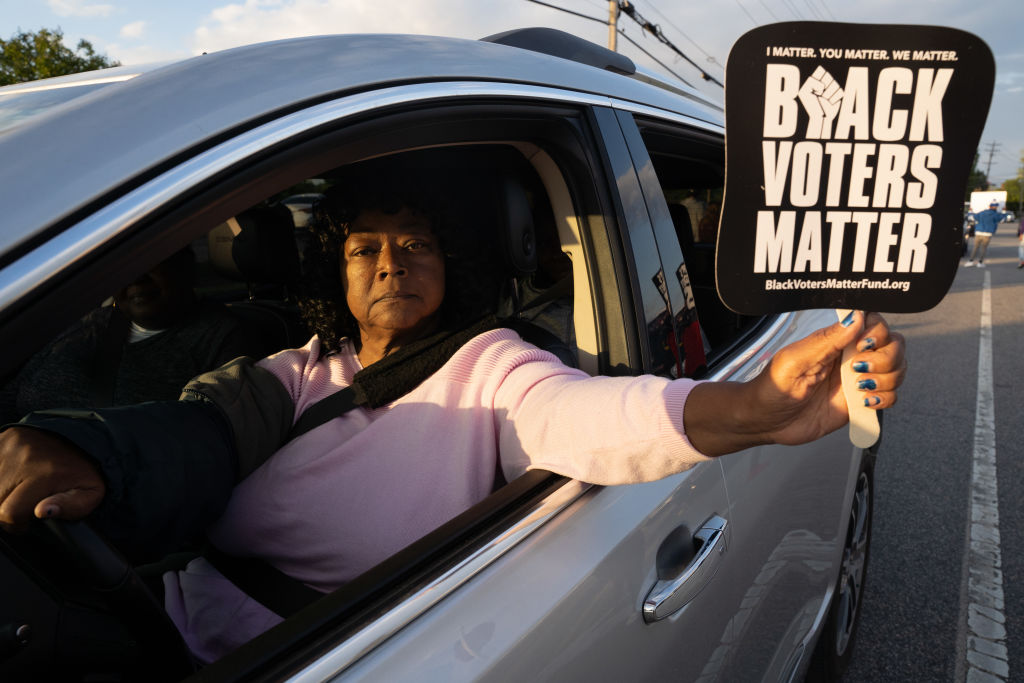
<point>258,247</point>
<point>517,236</point>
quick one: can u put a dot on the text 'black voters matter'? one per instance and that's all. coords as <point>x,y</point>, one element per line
<point>848,148</point>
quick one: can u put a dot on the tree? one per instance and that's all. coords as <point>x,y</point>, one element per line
<point>1015,189</point>
<point>30,56</point>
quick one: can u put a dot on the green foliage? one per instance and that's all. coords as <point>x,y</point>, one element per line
<point>28,56</point>
<point>1013,188</point>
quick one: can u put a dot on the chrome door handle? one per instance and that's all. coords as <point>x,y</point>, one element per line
<point>668,596</point>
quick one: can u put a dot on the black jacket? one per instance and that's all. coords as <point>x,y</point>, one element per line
<point>170,466</point>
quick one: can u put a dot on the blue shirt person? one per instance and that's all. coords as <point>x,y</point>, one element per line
<point>989,219</point>
<point>986,223</point>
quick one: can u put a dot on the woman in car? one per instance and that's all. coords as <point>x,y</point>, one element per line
<point>441,398</point>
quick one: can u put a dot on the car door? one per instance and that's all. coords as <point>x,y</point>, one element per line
<point>788,504</point>
<point>546,579</point>
<point>568,601</point>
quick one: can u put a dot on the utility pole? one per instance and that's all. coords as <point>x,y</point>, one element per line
<point>992,147</point>
<point>613,18</point>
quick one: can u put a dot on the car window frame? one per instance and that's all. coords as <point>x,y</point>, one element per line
<point>189,201</point>
<point>131,229</point>
<point>635,127</point>
<point>640,250</point>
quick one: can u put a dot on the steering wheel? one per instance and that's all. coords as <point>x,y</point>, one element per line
<point>75,609</point>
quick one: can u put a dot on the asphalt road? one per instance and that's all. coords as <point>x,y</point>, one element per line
<point>914,621</point>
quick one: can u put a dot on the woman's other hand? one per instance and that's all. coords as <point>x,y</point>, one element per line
<point>798,397</point>
<point>42,475</point>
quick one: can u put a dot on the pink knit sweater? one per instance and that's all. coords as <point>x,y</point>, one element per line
<point>343,497</point>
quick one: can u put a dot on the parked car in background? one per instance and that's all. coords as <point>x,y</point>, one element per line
<point>301,206</point>
<point>749,567</point>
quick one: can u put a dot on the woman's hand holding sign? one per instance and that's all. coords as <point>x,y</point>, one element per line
<point>838,180</point>
<point>798,397</point>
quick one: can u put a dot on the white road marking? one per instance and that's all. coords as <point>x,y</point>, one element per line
<point>986,654</point>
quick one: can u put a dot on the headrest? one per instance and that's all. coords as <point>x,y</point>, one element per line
<point>516,232</point>
<point>681,220</point>
<point>256,246</point>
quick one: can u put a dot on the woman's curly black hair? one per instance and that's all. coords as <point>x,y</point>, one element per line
<point>472,284</point>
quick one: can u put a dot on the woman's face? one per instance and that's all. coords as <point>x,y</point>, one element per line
<point>392,270</point>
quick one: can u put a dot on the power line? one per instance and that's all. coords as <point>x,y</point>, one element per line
<point>629,10</point>
<point>663,65</point>
<point>815,13</point>
<point>710,58</point>
<point>827,10</point>
<point>768,10</point>
<point>569,11</point>
<point>792,8</point>
<point>749,15</point>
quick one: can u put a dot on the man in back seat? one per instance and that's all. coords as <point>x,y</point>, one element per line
<point>155,337</point>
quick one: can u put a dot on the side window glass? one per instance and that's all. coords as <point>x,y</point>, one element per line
<point>234,292</point>
<point>253,270</point>
<point>691,172</point>
<point>223,295</point>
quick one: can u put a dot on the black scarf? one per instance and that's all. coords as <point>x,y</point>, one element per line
<point>396,374</point>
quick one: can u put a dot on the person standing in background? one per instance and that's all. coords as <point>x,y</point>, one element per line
<point>1020,243</point>
<point>986,223</point>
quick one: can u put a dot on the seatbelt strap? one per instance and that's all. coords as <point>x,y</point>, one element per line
<point>271,587</point>
<point>324,410</point>
<point>260,580</point>
<point>343,400</point>
<point>263,582</point>
<point>560,289</point>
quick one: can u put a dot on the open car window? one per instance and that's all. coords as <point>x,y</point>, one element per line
<point>244,235</point>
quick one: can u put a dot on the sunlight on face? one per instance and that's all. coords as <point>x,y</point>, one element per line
<point>393,276</point>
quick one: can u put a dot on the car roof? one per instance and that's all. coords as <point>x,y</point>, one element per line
<point>74,154</point>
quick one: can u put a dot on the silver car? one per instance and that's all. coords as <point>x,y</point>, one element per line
<point>750,567</point>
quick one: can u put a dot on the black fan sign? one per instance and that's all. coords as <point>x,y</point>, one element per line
<point>848,148</point>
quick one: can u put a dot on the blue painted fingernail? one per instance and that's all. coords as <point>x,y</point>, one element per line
<point>860,366</point>
<point>848,320</point>
<point>866,384</point>
<point>872,401</point>
<point>867,344</point>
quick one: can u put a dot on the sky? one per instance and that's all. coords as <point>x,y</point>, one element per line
<point>137,31</point>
